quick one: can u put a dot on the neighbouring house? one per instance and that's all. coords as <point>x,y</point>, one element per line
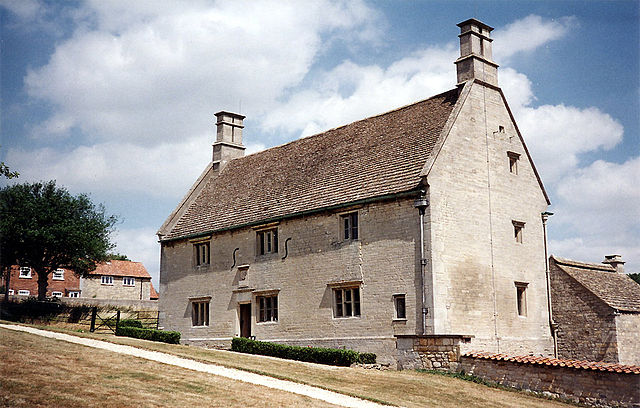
<point>118,280</point>
<point>597,310</point>
<point>425,220</point>
<point>23,282</point>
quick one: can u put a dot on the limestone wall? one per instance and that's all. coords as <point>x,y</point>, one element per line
<point>628,336</point>
<point>92,288</point>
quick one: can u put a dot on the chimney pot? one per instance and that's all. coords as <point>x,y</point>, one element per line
<point>615,261</point>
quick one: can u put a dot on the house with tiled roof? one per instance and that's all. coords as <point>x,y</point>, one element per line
<point>427,220</point>
<point>597,310</point>
<point>118,280</point>
<point>23,283</point>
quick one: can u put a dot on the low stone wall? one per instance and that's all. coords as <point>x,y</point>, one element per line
<point>429,352</point>
<point>592,384</point>
<point>147,305</point>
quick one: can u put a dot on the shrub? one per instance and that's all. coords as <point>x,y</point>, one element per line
<point>171,337</point>
<point>130,323</point>
<point>310,354</point>
<point>367,358</point>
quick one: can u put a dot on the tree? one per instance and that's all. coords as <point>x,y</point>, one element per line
<point>45,227</point>
<point>635,277</point>
<point>6,172</point>
<point>118,257</point>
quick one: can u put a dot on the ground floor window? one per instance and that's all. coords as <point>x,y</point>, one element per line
<point>400,306</point>
<point>56,294</point>
<point>267,308</point>
<point>200,313</point>
<point>24,293</point>
<point>74,294</point>
<point>11,292</point>
<point>521,298</point>
<point>346,302</point>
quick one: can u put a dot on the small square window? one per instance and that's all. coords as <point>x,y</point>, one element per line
<point>74,294</point>
<point>25,272</point>
<point>349,226</point>
<point>24,293</point>
<point>56,294</point>
<point>200,313</point>
<point>518,226</point>
<point>11,292</point>
<point>129,281</point>
<point>267,241</point>
<point>521,298</point>
<point>346,302</point>
<point>267,308</point>
<point>400,306</point>
<point>106,280</point>
<point>513,162</point>
<point>58,274</point>
<point>202,253</point>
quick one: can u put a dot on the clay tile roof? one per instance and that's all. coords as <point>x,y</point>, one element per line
<point>556,362</point>
<point>153,294</point>
<point>122,268</point>
<point>615,289</point>
<point>370,158</point>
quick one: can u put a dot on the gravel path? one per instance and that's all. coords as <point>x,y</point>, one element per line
<point>238,375</point>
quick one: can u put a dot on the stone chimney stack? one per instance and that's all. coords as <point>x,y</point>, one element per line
<point>475,53</point>
<point>228,144</point>
<point>615,261</point>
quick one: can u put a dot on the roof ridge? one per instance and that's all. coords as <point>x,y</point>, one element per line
<point>571,262</point>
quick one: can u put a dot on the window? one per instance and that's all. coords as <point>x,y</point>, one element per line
<point>25,272</point>
<point>513,162</point>
<point>518,226</point>
<point>24,293</point>
<point>346,302</point>
<point>349,226</point>
<point>56,294</point>
<point>200,313</point>
<point>521,298</point>
<point>203,253</point>
<point>74,294</point>
<point>399,304</point>
<point>129,281</point>
<point>58,274</point>
<point>106,280</point>
<point>11,292</point>
<point>267,241</point>
<point>267,308</point>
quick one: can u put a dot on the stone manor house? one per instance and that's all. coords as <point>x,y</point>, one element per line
<point>426,220</point>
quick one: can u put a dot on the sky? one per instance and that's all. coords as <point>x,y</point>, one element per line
<point>116,99</point>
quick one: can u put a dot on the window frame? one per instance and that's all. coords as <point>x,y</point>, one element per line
<point>267,306</point>
<point>60,277</point>
<point>73,294</point>
<point>346,298</point>
<point>24,292</point>
<point>349,226</point>
<point>514,158</point>
<point>128,281</point>
<point>28,272</point>
<point>521,298</point>
<point>202,253</point>
<point>11,292</point>
<point>200,312</point>
<point>106,280</point>
<point>56,294</point>
<point>518,231</point>
<point>398,299</point>
<point>267,241</point>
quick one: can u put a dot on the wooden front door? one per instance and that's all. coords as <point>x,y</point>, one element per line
<point>245,320</point>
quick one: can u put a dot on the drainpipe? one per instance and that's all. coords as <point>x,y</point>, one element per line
<point>421,203</point>
<point>552,324</point>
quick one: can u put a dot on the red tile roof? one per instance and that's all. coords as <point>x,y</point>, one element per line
<point>374,157</point>
<point>556,362</point>
<point>153,294</point>
<point>122,268</point>
<point>617,290</point>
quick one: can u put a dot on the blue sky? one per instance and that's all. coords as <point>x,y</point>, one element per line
<point>116,98</point>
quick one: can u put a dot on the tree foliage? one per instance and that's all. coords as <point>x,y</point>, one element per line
<point>6,172</point>
<point>635,277</point>
<point>118,257</point>
<point>45,227</point>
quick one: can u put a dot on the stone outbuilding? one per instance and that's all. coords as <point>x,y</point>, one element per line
<point>597,310</point>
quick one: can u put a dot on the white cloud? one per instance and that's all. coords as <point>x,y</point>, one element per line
<point>140,245</point>
<point>24,9</point>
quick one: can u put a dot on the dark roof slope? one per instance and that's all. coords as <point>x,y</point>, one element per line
<point>615,289</point>
<point>373,157</point>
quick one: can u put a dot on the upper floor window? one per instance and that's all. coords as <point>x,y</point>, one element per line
<point>349,226</point>
<point>267,241</point>
<point>518,226</point>
<point>513,162</point>
<point>106,280</point>
<point>129,281</point>
<point>400,306</point>
<point>58,274</point>
<point>267,308</point>
<point>521,298</point>
<point>346,302</point>
<point>203,253</point>
<point>25,272</point>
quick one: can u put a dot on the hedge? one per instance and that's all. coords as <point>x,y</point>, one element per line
<point>130,323</point>
<point>171,337</point>
<point>319,355</point>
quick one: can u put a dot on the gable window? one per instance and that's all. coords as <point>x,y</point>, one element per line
<point>25,272</point>
<point>521,298</point>
<point>203,253</point>
<point>200,313</point>
<point>267,241</point>
<point>267,308</point>
<point>349,226</point>
<point>346,302</point>
<point>56,294</point>
<point>400,306</point>
<point>518,226</point>
<point>74,294</point>
<point>106,280</point>
<point>513,162</point>
<point>24,292</point>
<point>129,281</point>
<point>58,274</point>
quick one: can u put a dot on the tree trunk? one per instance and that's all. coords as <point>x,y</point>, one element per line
<point>7,282</point>
<point>43,281</point>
